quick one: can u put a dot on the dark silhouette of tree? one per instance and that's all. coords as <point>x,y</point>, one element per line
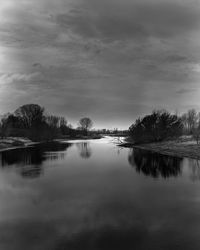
<point>158,126</point>
<point>154,164</point>
<point>53,124</point>
<point>86,124</point>
<point>190,120</point>
<point>4,125</point>
<point>31,115</point>
<point>185,123</point>
<point>32,120</point>
<point>191,124</point>
<point>10,124</point>
<point>196,134</point>
<point>63,126</point>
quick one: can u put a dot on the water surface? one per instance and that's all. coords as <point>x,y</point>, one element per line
<point>88,195</point>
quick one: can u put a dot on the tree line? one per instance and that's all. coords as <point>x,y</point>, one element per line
<point>33,122</point>
<point>161,125</point>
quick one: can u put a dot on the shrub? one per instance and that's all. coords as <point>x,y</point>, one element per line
<point>158,126</point>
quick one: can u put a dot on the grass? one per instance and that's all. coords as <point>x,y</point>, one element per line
<point>183,147</point>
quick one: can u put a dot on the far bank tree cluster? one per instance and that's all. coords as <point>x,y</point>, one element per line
<point>33,122</point>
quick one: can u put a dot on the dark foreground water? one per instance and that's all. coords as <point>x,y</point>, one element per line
<point>92,195</point>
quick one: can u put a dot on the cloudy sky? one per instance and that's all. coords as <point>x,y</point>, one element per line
<point>111,60</point>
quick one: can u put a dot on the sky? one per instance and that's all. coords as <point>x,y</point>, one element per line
<point>110,60</point>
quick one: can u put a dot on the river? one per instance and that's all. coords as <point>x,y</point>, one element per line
<point>94,195</point>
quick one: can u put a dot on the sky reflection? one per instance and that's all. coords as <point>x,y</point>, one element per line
<point>99,202</point>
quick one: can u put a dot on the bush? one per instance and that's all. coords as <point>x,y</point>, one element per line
<point>158,126</point>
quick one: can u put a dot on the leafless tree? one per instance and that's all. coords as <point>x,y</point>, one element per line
<point>86,124</point>
<point>190,120</point>
<point>30,115</point>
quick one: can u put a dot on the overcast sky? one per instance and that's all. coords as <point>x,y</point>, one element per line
<point>111,60</point>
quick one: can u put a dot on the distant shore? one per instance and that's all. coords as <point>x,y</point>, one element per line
<point>10,143</point>
<point>178,148</point>
<point>81,137</point>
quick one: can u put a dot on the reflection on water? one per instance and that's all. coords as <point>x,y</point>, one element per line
<point>84,149</point>
<point>195,169</point>
<point>30,159</point>
<point>154,164</point>
<point>89,198</point>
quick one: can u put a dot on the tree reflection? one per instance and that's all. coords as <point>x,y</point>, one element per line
<point>195,168</point>
<point>154,164</point>
<point>31,171</point>
<point>84,149</point>
<point>30,159</point>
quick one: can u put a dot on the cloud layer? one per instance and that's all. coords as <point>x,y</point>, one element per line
<point>111,60</point>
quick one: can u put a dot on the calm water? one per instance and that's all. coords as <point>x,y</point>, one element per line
<point>88,195</point>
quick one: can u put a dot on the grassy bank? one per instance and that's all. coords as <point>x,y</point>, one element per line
<point>184,147</point>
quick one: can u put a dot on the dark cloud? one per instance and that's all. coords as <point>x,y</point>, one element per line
<point>116,21</point>
<point>107,28</point>
<point>112,60</point>
<point>185,91</point>
<point>176,58</point>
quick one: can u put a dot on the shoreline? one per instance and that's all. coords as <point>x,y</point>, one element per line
<point>12,143</point>
<point>11,147</point>
<point>187,149</point>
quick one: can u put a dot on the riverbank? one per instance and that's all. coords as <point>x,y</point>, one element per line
<point>179,148</point>
<point>80,137</point>
<point>15,142</point>
<point>10,143</point>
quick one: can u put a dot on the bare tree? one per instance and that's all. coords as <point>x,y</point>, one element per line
<point>196,134</point>
<point>86,124</point>
<point>30,115</point>
<point>3,125</point>
<point>192,119</point>
<point>53,121</point>
<point>184,119</point>
<point>63,122</point>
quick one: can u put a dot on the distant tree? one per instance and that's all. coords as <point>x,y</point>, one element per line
<point>196,129</point>
<point>86,124</point>
<point>53,121</point>
<point>184,119</point>
<point>115,131</point>
<point>31,115</point>
<point>64,128</point>
<point>196,134</point>
<point>190,120</point>
<point>32,121</point>
<point>63,121</point>
<point>3,125</point>
<point>158,126</point>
